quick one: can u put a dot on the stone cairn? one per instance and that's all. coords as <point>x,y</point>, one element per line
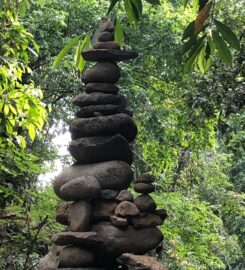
<point>106,226</point>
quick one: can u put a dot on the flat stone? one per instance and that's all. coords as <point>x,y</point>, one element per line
<point>106,36</point>
<point>137,262</point>
<point>145,178</point>
<point>115,175</point>
<point>107,45</point>
<point>99,99</point>
<point>126,208</point>
<point>104,126</point>
<point>79,268</point>
<point>106,88</point>
<point>79,216</point>
<point>108,194</point>
<point>75,257</point>
<point>85,239</point>
<point>90,111</point>
<point>103,209</point>
<point>103,72</point>
<point>162,213</point>
<point>117,241</point>
<point>83,187</point>
<point>144,188</point>
<point>119,221</point>
<point>99,149</point>
<point>125,195</point>
<point>145,203</point>
<point>62,213</point>
<point>97,55</point>
<point>149,221</point>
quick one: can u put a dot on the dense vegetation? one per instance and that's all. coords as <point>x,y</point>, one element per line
<point>191,125</point>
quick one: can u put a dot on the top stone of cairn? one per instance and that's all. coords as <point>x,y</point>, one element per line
<point>106,49</point>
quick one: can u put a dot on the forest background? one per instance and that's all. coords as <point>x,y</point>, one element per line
<point>191,126</point>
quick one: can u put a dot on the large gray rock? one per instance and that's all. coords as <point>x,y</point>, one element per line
<point>117,241</point>
<point>75,257</point>
<point>145,178</point>
<point>106,88</point>
<point>51,260</point>
<point>79,216</point>
<point>99,149</point>
<point>102,72</point>
<point>111,175</point>
<point>62,213</point>
<point>96,98</point>
<point>108,194</point>
<point>138,262</point>
<point>108,55</point>
<point>103,209</point>
<point>84,239</point>
<point>91,111</point>
<point>104,126</point>
<point>148,221</point>
<point>107,45</point>
<point>145,203</point>
<point>79,188</point>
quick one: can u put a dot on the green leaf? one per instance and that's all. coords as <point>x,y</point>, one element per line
<point>228,35</point>
<point>6,110</point>
<point>82,45</point>
<point>223,50</point>
<point>189,31</point>
<point>112,5</point>
<point>194,52</point>
<point>132,16</point>
<point>137,5</point>
<point>153,2</point>
<point>186,2</point>
<point>188,45</point>
<point>65,50</point>
<point>119,37</point>
<point>31,131</point>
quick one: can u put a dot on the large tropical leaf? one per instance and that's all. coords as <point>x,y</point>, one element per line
<point>112,5</point>
<point>131,12</point>
<point>82,45</point>
<point>189,31</point>
<point>119,37</point>
<point>154,2</point>
<point>65,51</point>
<point>222,48</point>
<point>227,35</point>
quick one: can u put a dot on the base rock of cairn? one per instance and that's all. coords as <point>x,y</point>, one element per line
<point>107,228</point>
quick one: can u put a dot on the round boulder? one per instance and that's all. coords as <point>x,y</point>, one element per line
<point>106,36</point>
<point>83,187</point>
<point>106,88</point>
<point>145,203</point>
<point>103,72</point>
<point>107,45</point>
<point>144,188</point>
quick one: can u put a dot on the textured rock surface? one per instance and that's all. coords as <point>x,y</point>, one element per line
<point>126,208</point>
<point>103,209</point>
<point>145,203</point>
<point>137,262</point>
<point>51,260</point>
<point>145,178</point>
<point>90,111</point>
<point>106,36</point>
<point>75,257</point>
<point>162,213</point>
<point>79,216</point>
<point>103,72</point>
<point>99,149</point>
<point>83,187</point>
<point>104,126</point>
<point>125,195</point>
<point>119,221</point>
<point>99,99</point>
<point>108,55</point>
<point>62,213</point>
<point>109,194</point>
<point>85,239</point>
<point>111,175</point>
<point>148,221</point>
<point>106,88</point>
<point>117,241</point>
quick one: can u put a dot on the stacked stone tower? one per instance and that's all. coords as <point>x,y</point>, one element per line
<point>103,218</point>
